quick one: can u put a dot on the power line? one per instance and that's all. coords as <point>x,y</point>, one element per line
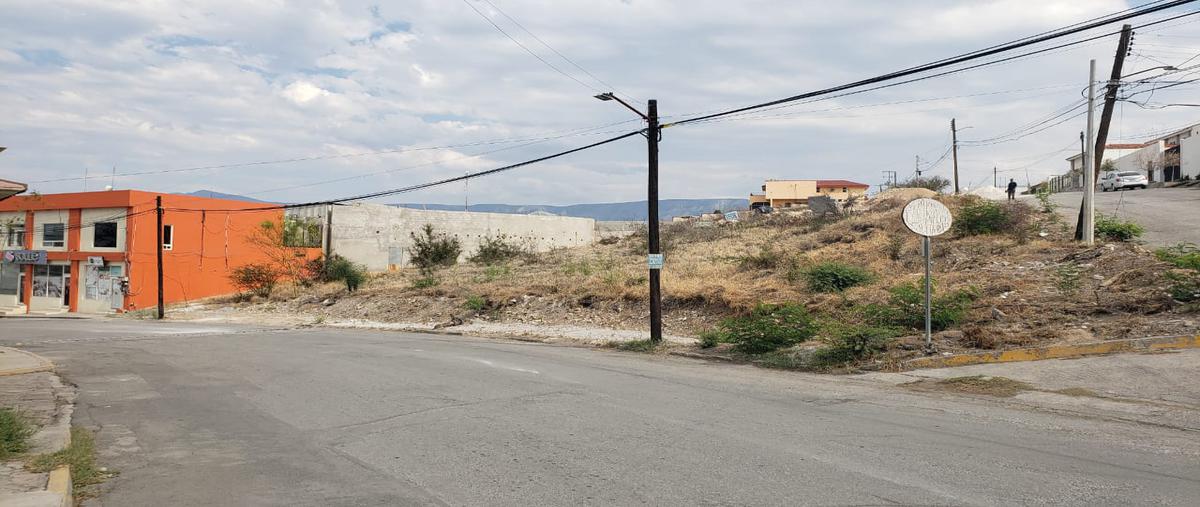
<point>446,181</point>
<point>530,51</point>
<point>551,48</point>
<point>1028,41</point>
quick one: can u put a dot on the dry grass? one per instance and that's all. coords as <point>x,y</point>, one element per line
<point>1002,387</point>
<point>707,277</point>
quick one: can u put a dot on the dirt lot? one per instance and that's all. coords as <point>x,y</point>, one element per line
<point>1031,285</point>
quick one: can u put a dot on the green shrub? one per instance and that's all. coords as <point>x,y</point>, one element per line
<point>341,269</point>
<point>906,307</point>
<point>432,250</point>
<point>981,217</point>
<point>836,277</point>
<point>15,431</point>
<point>257,279</point>
<point>1066,278</point>
<point>1183,255</point>
<point>934,183</point>
<point>852,342</point>
<point>766,328</point>
<point>711,338</point>
<point>1114,229</point>
<point>475,303</point>
<point>495,250</point>
<point>1043,197</point>
<point>1183,288</point>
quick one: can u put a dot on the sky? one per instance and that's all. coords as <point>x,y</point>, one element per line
<point>381,95</point>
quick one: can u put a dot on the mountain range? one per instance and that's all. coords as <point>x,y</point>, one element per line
<point>606,211</point>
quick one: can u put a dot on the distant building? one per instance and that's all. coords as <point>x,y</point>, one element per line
<point>10,188</point>
<point>789,193</point>
<point>96,252</point>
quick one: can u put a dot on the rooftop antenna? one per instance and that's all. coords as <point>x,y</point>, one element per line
<point>112,180</point>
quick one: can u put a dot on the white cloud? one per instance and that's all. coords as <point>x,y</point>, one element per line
<point>177,84</point>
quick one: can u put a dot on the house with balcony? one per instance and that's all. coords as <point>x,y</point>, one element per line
<point>96,252</point>
<point>791,193</point>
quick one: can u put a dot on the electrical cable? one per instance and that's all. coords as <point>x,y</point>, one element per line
<point>555,51</point>
<point>530,51</point>
<point>1028,41</point>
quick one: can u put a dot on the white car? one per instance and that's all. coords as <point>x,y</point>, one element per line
<point>1120,180</point>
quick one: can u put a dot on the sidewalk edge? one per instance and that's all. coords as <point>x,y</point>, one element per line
<point>1057,352</point>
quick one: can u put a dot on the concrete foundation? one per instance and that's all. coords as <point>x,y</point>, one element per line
<point>380,237</point>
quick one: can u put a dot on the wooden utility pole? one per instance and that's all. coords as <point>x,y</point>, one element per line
<point>158,213</point>
<point>652,133</point>
<point>954,147</point>
<point>1110,100</point>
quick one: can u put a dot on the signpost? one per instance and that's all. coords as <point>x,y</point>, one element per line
<point>927,218</point>
<point>654,261</point>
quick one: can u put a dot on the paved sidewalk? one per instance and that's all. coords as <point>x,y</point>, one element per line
<point>28,385</point>
<point>1156,388</point>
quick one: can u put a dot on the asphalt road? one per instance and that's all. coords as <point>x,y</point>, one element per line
<point>1170,215</point>
<point>221,415</point>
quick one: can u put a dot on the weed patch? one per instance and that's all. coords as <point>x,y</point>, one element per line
<point>980,217</point>
<point>80,455</point>
<point>1183,255</point>
<point>1114,229</point>
<point>637,346</point>
<point>475,303</point>
<point>431,250</point>
<point>906,308</point>
<point>836,277</point>
<point>852,342</point>
<point>767,258</point>
<point>15,430</point>
<point>766,328</point>
<point>425,282</point>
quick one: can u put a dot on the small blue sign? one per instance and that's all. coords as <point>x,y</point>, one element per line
<point>25,256</point>
<point>731,216</point>
<point>655,261</point>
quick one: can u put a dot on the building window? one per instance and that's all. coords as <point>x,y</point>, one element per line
<point>168,236</point>
<point>105,235</point>
<point>51,281</point>
<point>52,234</point>
<point>844,189</point>
<point>14,235</point>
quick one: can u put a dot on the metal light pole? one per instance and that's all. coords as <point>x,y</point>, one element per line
<point>1089,176</point>
<point>654,259</point>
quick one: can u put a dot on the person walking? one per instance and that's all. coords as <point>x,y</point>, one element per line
<point>1012,189</point>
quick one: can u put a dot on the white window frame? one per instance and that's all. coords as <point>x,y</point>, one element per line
<point>58,243</point>
<point>168,234</point>
<point>14,234</point>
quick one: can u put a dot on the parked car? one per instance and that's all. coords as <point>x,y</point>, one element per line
<point>1120,180</point>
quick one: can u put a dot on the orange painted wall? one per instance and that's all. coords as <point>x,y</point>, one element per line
<point>206,245</point>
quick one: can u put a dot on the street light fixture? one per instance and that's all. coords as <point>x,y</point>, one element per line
<point>1160,67</point>
<point>654,259</point>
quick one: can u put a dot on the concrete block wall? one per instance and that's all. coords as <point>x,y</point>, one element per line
<point>379,236</point>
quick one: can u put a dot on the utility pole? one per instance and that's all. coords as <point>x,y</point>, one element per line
<point>158,213</point>
<point>995,180</point>
<point>1089,175</point>
<point>328,239</point>
<point>654,259</point>
<point>1110,100</point>
<point>954,147</point>
<point>917,166</point>
<point>652,134</point>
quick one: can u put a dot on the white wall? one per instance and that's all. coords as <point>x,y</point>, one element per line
<point>1138,159</point>
<point>1189,157</point>
<point>40,219</point>
<point>88,234</point>
<point>378,236</point>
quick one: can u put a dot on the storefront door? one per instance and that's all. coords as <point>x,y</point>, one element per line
<point>51,286</point>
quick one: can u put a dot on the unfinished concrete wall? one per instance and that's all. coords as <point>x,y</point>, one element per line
<point>378,236</point>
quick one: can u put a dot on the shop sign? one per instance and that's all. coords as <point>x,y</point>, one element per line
<point>25,256</point>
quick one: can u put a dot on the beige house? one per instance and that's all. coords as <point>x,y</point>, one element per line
<point>789,193</point>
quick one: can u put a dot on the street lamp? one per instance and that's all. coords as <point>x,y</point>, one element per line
<point>1160,67</point>
<point>654,259</point>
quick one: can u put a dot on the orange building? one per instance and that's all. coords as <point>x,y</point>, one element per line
<point>95,252</point>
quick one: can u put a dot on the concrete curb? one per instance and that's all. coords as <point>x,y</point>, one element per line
<point>28,362</point>
<point>60,491</point>
<point>1057,352</point>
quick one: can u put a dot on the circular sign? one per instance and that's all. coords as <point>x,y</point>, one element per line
<point>927,217</point>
